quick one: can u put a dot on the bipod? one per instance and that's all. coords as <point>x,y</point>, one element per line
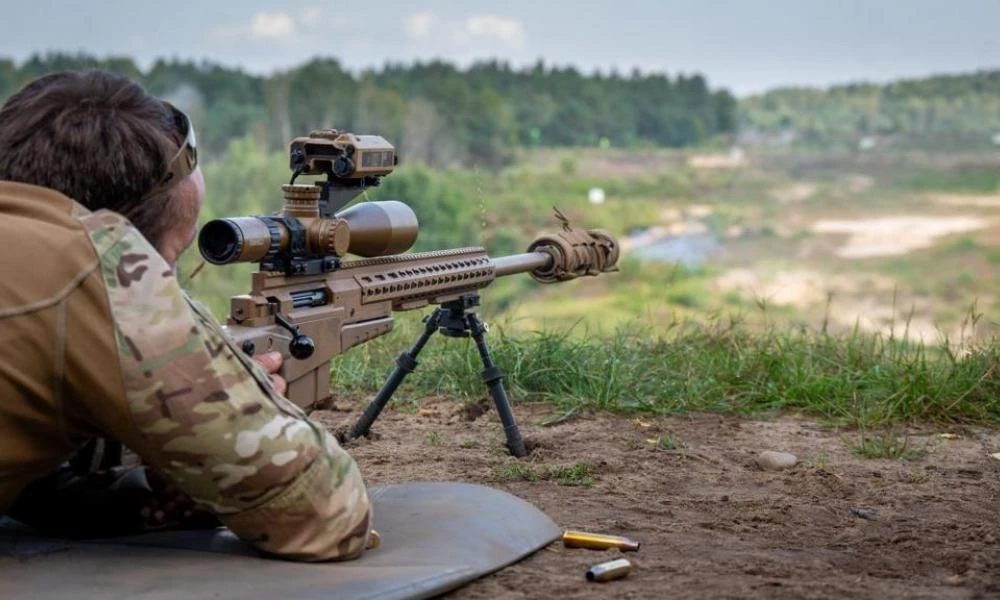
<point>452,319</point>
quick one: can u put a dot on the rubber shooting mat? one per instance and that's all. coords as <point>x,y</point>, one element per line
<point>435,537</point>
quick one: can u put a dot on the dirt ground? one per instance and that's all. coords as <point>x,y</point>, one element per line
<point>713,524</point>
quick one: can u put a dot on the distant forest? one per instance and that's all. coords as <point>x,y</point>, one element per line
<point>957,111</point>
<point>434,112</point>
<point>440,115</point>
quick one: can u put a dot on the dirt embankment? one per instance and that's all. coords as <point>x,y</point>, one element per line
<point>712,523</point>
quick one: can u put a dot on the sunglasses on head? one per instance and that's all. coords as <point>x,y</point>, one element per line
<point>186,160</point>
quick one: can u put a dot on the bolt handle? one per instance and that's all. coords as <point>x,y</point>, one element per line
<point>301,346</point>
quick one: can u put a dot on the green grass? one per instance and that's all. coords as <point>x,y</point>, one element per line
<point>577,474</point>
<point>516,472</point>
<point>667,442</point>
<point>851,379</point>
<point>885,444</point>
<point>819,461</point>
<point>973,179</point>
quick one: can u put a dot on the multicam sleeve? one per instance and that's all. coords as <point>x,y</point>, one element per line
<point>209,419</point>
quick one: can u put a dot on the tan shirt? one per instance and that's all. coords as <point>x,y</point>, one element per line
<point>98,339</point>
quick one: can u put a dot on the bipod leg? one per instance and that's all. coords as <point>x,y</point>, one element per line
<point>493,378</point>
<point>406,363</point>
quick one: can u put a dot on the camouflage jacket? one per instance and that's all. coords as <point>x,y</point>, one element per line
<point>98,339</point>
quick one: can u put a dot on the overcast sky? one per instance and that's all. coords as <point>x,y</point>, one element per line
<point>747,45</point>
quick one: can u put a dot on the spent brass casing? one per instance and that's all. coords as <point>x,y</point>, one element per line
<point>596,541</point>
<point>609,571</point>
<point>374,540</point>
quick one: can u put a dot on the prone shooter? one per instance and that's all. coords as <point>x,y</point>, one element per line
<point>311,303</point>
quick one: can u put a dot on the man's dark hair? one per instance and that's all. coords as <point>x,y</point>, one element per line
<point>98,138</point>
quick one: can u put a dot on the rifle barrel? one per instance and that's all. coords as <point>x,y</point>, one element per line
<point>521,263</point>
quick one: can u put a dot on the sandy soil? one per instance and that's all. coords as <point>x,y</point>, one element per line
<point>712,523</point>
<point>978,201</point>
<point>734,159</point>
<point>894,236</point>
<point>796,192</point>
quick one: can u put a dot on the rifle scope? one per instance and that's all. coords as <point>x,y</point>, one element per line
<point>367,229</point>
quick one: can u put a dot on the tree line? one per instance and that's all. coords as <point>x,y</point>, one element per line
<point>945,110</point>
<point>440,115</point>
<point>434,112</point>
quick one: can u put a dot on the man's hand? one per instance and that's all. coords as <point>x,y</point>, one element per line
<point>110,502</point>
<point>271,361</point>
<point>166,507</point>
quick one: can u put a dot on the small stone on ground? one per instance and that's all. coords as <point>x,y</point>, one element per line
<point>863,513</point>
<point>769,460</point>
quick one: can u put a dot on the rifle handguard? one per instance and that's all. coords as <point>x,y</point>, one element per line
<point>575,254</point>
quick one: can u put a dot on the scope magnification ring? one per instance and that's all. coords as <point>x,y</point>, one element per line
<point>274,230</point>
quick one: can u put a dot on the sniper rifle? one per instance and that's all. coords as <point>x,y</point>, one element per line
<point>309,302</point>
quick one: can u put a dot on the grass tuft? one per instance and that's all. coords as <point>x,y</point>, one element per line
<point>886,444</point>
<point>576,474</point>
<point>667,442</point>
<point>819,461</point>
<point>516,472</point>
